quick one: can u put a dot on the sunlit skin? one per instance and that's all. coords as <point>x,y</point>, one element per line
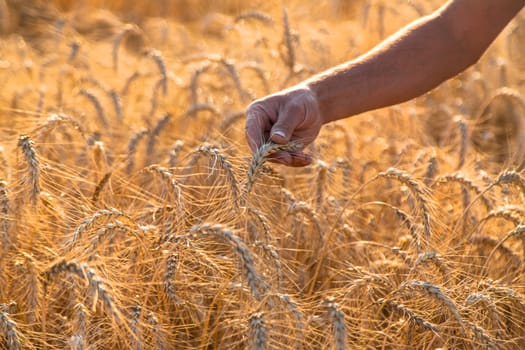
<point>409,63</point>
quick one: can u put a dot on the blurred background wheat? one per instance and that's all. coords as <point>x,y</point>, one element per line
<point>133,215</point>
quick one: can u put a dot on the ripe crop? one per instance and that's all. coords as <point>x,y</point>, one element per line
<point>134,216</point>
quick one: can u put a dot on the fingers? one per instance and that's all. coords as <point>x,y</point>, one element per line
<point>257,123</point>
<point>293,159</point>
<point>285,125</point>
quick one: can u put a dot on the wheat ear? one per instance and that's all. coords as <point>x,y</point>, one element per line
<point>494,243</point>
<point>309,212</point>
<point>172,263</point>
<point>174,153</point>
<point>54,120</point>
<point>161,64</point>
<point>215,154</point>
<point>158,336</point>
<point>463,133</point>
<point>100,187</point>
<point>125,89</point>
<point>128,28</point>
<point>436,259</point>
<point>436,293</point>
<point>254,15</point>
<point>194,81</point>
<point>410,314</point>
<point>98,106</point>
<point>417,192</point>
<point>168,177</point>
<point>4,214</point>
<point>289,58</point>
<point>230,120</point>
<point>89,222</point>
<point>322,177</point>
<point>501,93</point>
<point>80,326</point>
<point>258,330</point>
<point>154,134</point>
<point>117,104</point>
<point>26,145</point>
<point>259,157</point>
<point>467,185</point>
<point>135,314</point>
<point>255,281</point>
<point>518,231</point>
<point>479,298</point>
<point>132,148</point>
<point>8,327</point>
<point>97,287</point>
<point>337,318</point>
<point>259,71</point>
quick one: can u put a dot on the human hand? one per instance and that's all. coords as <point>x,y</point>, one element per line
<point>289,115</point>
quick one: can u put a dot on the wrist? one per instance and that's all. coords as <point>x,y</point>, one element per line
<point>319,89</point>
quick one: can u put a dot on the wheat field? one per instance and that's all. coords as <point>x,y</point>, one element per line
<point>134,216</point>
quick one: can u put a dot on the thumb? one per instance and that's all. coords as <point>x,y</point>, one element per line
<point>283,129</point>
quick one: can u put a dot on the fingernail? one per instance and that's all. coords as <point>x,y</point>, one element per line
<point>278,137</point>
<point>279,133</point>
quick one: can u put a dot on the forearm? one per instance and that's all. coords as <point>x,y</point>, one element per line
<point>413,61</point>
